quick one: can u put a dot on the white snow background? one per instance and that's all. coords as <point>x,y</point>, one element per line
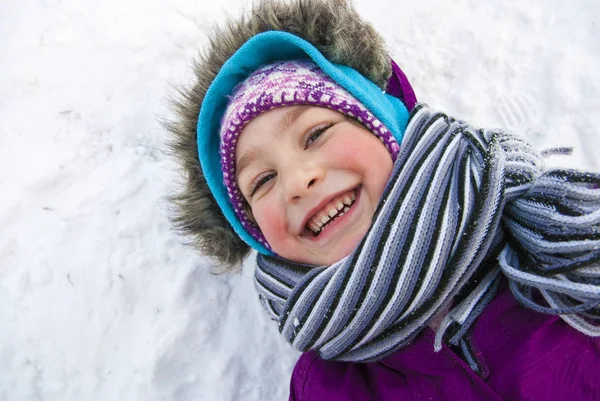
<point>99,300</point>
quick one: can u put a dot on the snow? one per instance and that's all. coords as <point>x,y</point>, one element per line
<point>99,299</point>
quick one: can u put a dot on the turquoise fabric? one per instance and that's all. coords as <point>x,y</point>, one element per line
<point>263,49</point>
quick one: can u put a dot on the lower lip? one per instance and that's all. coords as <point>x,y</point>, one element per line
<point>337,223</point>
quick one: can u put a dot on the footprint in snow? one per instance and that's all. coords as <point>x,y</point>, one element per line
<point>519,114</point>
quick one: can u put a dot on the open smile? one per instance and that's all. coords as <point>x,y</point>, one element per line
<point>337,207</point>
<point>330,213</point>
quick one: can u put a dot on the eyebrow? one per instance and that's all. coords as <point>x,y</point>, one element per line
<point>291,117</point>
<point>287,121</point>
<point>247,159</point>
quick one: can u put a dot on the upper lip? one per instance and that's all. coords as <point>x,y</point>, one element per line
<point>320,206</point>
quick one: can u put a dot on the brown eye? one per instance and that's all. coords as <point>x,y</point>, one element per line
<point>314,134</point>
<point>260,182</point>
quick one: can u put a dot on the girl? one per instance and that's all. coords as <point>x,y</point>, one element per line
<point>397,246</point>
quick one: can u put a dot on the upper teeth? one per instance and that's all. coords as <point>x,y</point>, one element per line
<point>337,207</point>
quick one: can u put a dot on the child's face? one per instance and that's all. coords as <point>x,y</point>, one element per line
<point>298,166</point>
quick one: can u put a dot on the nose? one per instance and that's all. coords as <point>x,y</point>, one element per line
<point>301,179</point>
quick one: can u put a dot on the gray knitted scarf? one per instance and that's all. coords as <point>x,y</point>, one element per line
<point>462,208</point>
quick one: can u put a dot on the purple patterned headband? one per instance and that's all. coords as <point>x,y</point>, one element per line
<point>285,83</point>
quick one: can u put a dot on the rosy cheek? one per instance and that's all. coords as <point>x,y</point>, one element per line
<point>353,149</point>
<point>271,221</point>
<point>347,154</point>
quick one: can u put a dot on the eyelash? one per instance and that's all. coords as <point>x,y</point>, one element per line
<point>319,130</point>
<point>259,182</point>
<point>313,135</point>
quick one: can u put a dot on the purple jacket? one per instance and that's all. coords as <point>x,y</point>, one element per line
<point>526,356</point>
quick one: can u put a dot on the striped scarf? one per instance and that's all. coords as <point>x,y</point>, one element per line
<point>462,208</point>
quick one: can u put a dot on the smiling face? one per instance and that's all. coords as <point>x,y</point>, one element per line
<point>312,178</point>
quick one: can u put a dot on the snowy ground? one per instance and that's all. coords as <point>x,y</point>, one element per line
<point>98,298</point>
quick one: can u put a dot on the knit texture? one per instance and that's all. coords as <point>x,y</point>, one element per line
<point>260,50</point>
<point>459,200</point>
<point>280,84</point>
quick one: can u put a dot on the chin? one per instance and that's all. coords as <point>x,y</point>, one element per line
<point>342,250</point>
<point>326,255</point>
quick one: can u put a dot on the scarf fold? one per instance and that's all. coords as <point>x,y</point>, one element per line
<point>462,207</point>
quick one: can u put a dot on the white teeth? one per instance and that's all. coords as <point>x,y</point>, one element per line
<point>341,207</point>
<point>315,227</point>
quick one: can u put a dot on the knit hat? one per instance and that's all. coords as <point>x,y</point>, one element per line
<point>285,83</point>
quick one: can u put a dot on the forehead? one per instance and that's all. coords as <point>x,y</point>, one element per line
<point>261,135</point>
<point>273,124</point>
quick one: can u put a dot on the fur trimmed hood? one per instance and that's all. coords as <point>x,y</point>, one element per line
<point>333,27</point>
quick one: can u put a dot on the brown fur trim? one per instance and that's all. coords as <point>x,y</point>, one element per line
<point>333,26</point>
